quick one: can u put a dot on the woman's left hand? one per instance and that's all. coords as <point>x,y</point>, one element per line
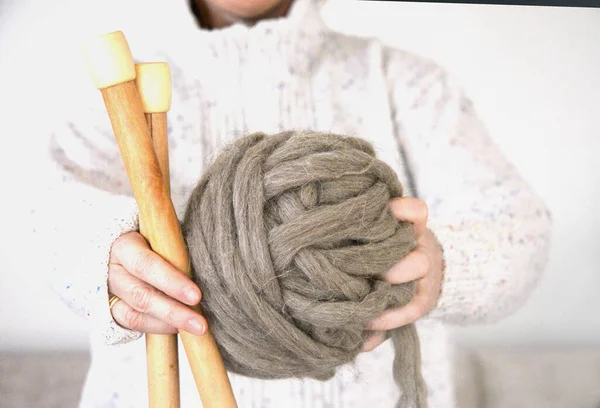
<point>424,265</point>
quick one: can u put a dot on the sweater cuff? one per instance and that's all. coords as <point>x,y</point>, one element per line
<point>461,286</point>
<point>104,327</point>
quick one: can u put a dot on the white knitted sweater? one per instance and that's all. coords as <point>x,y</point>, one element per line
<point>295,73</point>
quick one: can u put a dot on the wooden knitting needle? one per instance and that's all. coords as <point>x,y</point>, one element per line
<point>153,81</point>
<point>111,67</point>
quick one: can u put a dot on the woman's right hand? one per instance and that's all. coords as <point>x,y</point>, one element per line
<point>153,294</point>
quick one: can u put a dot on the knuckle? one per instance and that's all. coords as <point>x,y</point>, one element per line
<point>144,262</point>
<point>168,281</point>
<point>141,296</point>
<point>132,319</point>
<point>124,245</point>
<point>170,317</point>
<point>112,277</point>
<point>415,313</point>
<point>423,263</point>
<point>116,249</point>
<point>121,240</point>
<point>418,263</point>
<point>422,211</point>
<point>385,323</point>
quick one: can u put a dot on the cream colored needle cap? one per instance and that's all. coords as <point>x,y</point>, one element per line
<point>153,80</point>
<point>109,60</point>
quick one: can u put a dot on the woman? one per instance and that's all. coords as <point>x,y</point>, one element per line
<point>271,65</point>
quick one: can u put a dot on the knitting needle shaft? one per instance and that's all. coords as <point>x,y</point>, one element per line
<point>112,69</point>
<point>153,81</point>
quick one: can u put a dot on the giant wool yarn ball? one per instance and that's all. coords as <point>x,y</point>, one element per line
<point>289,236</point>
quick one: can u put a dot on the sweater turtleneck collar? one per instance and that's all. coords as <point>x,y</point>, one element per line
<point>296,38</point>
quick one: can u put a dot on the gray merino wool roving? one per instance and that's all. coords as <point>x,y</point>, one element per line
<point>289,236</point>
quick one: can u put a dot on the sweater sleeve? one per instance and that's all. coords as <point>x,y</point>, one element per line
<point>494,229</point>
<point>87,204</point>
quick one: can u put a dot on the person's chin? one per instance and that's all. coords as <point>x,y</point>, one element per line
<point>250,9</point>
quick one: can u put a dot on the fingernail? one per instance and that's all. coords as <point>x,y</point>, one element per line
<point>192,296</point>
<point>196,326</point>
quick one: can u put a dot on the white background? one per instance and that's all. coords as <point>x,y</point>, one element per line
<point>533,73</point>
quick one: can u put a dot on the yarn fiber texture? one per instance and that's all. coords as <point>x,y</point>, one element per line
<point>289,236</point>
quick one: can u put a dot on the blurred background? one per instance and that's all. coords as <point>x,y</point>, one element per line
<point>534,76</point>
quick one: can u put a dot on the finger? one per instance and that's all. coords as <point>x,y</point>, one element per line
<point>148,300</point>
<point>398,317</point>
<point>139,260</point>
<point>412,210</point>
<point>373,341</point>
<point>130,318</point>
<point>413,266</point>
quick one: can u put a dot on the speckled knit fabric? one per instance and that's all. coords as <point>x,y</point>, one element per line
<point>291,74</point>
